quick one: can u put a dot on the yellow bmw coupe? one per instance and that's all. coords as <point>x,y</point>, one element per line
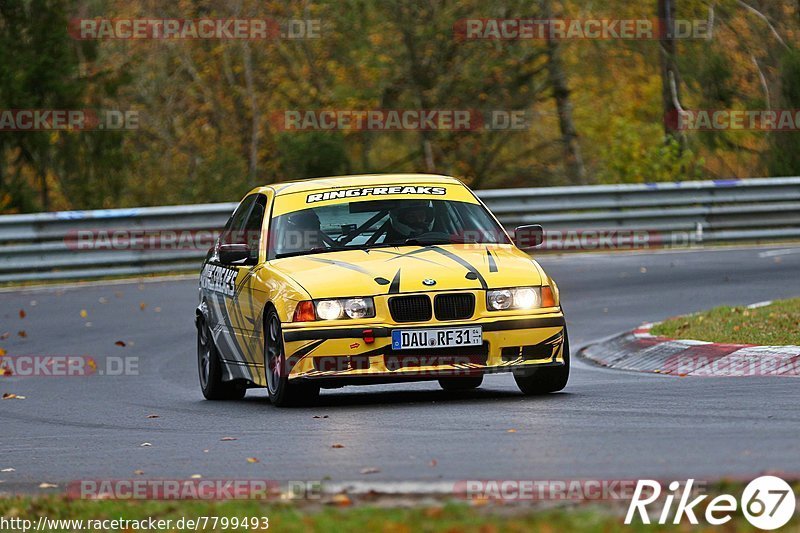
<point>372,279</point>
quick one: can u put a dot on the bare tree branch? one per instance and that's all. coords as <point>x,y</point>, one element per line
<point>763,17</point>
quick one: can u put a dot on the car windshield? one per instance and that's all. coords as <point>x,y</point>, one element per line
<point>382,223</point>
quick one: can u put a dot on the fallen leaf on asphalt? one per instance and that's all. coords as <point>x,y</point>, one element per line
<point>337,445</point>
<point>433,463</point>
<point>8,470</point>
<point>145,445</point>
<point>342,500</point>
<point>227,438</point>
<point>153,416</point>
<point>511,431</point>
<point>142,305</point>
<point>157,309</point>
<point>12,396</point>
<point>252,460</point>
<point>370,470</point>
<point>2,352</point>
<point>120,343</point>
<point>138,472</point>
<point>84,313</point>
<point>4,336</point>
<point>22,313</point>
<point>197,476</point>
<point>7,372</point>
<point>47,486</point>
<point>22,333</point>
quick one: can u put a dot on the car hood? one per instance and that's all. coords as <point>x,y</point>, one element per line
<point>405,269</point>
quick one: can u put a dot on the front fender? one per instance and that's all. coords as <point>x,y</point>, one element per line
<point>201,313</point>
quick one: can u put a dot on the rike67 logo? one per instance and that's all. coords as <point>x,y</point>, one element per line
<point>767,502</point>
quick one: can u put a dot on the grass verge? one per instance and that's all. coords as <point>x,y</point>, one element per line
<point>450,517</point>
<point>777,324</point>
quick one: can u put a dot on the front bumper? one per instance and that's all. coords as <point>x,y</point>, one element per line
<point>515,343</point>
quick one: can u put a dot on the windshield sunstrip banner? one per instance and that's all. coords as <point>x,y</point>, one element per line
<point>375,191</point>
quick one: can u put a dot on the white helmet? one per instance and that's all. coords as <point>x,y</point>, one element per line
<point>412,218</point>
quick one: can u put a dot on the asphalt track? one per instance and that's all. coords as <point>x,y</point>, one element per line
<point>606,425</point>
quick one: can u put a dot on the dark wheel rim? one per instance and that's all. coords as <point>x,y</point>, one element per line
<point>274,354</point>
<point>203,355</point>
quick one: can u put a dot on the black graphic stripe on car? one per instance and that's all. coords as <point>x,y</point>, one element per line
<point>462,262</point>
<point>394,288</point>
<point>492,262</point>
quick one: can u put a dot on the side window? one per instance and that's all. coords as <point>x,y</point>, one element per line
<point>252,227</point>
<point>233,233</point>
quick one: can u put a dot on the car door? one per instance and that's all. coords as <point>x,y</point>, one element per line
<point>223,281</point>
<point>247,304</point>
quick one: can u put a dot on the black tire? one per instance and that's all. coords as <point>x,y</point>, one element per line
<point>282,393</point>
<point>461,383</point>
<point>545,380</point>
<point>210,369</point>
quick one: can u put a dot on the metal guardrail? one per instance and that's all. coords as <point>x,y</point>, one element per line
<point>38,247</point>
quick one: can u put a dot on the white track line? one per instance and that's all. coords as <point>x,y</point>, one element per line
<point>776,253</point>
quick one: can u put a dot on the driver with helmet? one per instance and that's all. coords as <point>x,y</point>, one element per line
<point>302,232</point>
<point>411,218</point>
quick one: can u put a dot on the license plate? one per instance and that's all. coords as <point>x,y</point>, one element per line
<point>408,339</point>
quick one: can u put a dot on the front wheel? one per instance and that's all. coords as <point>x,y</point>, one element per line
<point>210,369</point>
<point>282,393</point>
<point>547,379</point>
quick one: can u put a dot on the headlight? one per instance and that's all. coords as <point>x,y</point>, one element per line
<point>499,300</point>
<point>342,308</point>
<point>517,298</point>
<point>358,308</point>
<point>329,309</point>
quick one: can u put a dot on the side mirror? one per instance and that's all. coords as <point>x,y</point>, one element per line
<point>233,253</point>
<point>529,236</point>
